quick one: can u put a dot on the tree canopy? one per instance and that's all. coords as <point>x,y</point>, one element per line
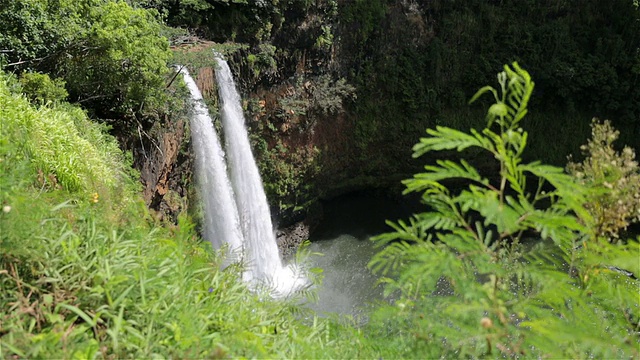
<point>111,55</point>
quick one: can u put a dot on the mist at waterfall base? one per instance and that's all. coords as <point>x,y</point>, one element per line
<point>236,212</point>
<point>343,237</point>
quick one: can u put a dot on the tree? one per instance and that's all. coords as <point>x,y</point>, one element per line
<point>119,63</point>
<point>111,55</point>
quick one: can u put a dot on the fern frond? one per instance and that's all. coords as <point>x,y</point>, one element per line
<point>444,170</point>
<point>516,87</point>
<point>390,258</point>
<point>411,232</point>
<point>558,292</point>
<point>520,90</point>
<point>444,138</point>
<point>516,140</point>
<point>461,241</point>
<point>521,205</point>
<point>493,210</point>
<point>557,225</point>
<point>425,265</point>
<point>437,221</point>
<point>572,193</point>
<point>484,90</point>
<point>485,235</point>
<point>430,187</point>
<point>447,169</point>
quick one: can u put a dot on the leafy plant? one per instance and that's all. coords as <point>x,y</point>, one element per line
<point>328,96</point>
<point>469,285</point>
<point>110,54</point>
<point>35,30</point>
<point>120,62</point>
<point>40,88</point>
<point>263,63</point>
<point>614,177</point>
<point>60,141</point>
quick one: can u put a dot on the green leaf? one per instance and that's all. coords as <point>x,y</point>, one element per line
<point>494,211</point>
<point>444,138</point>
<point>78,312</point>
<point>437,221</point>
<point>447,169</point>
<point>484,90</point>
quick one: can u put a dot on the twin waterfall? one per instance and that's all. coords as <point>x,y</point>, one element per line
<point>236,212</point>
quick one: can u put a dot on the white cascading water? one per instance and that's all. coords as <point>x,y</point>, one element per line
<point>221,222</point>
<point>264,266</point>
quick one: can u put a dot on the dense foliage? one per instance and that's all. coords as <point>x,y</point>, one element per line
<point>110,55</point>
<point>616,178</point>
<point>512,266</point>
<point>424,59</point>
<point>412,65</point>
<point>511,257</point>
<point>96,278</point>
<point>396,68</point>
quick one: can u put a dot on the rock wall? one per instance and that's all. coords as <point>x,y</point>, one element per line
<point>163,159</point>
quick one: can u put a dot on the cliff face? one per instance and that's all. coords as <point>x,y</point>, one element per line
<point>162,156</point>
<point>325,118</point>
<point>337,92</point>
<point>340,92</point>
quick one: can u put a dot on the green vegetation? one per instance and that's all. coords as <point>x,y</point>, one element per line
<point>511,257</point>
<point>616,178</point>
<point>469,285</point>
<point>84,273</point>
<point>414,65</point>
<point>40,88</point>
<point>109,54</point>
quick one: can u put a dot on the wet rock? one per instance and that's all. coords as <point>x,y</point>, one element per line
<point>290,237</point>
<point>164,169</point>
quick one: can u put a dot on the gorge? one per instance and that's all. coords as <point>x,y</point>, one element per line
<point>137,213</point>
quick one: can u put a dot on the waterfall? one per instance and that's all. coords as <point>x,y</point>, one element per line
<point>261,251</point>
<point>221,222</point>
<point>236,211</point>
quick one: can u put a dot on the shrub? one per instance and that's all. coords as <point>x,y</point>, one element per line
<point>40,88</point>
<point>120,62</point>
<point>615,180</point>
<point>328,96</point>
<point>111,55</point>
<point>36,29</point>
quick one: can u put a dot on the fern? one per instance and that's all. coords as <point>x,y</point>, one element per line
<point>449,170</point>
<point>444,138</point>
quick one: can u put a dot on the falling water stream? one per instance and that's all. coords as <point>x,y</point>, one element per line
<point>236,213</point>
<point>236,208</point>
<point>221,223</point>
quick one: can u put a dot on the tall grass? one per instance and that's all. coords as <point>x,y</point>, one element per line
<point>53,143</point>
<point>84,274</point>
